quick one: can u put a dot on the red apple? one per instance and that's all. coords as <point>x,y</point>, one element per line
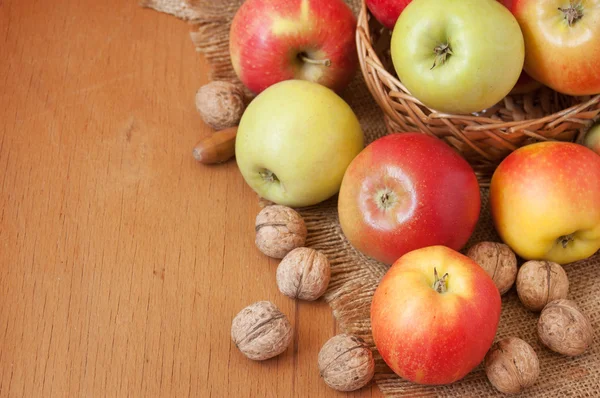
<point>407,191</point>
<point>276,40</point>
<point>545,201</point>
<point>562,43</point>
<point>387,11</point>
<point>592,138</point>
<point>525,84</point>
<point>434,330</point>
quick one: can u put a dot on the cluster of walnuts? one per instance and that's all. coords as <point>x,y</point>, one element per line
<point>542,286</point>
<point>261,331</point>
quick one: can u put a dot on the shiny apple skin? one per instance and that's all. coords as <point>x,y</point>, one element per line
<point>428,337</point>
<point>267,36</point>
<point>544,191</point>
<point>437,197</point>
<point>387,11</point>
<point>562,57</point>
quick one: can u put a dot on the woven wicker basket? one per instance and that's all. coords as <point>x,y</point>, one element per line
<point>483,139</point>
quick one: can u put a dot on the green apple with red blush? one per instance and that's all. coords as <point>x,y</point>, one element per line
<point>406,191</point>
<point>277,40</point>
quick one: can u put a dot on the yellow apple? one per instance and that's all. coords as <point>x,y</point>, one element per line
<point>295,141</point>
<point>545,201</point>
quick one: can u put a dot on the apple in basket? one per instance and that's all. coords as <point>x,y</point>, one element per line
<point>525,84</point>
<point>545,201</point>
<point>457,56</point>
<point>275,40</point>
<point>562,43</point>
<point>434,315</point>
<point>406,191</point>
<point>592,138</point>
<point>387,11</point>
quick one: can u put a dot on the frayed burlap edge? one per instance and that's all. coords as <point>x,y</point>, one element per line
<point>355,276</point>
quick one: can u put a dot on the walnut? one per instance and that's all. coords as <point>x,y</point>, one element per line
<point>511,365</point>
<point>221,104</point>
<point>346,363</point>
<point>563,328</point>
<point>279,230</point>
<point>539,282</point>
<point>498,260</point>
<point>303,273</point>
<point>260,331</point>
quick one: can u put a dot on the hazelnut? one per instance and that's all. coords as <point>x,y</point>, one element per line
<point>260,331</point>
<point>498,260</point>
<point>511,365</point>
<point>539,282</point>
<point>221,104</point>
<point>563,328</point>
<point>346,363</point>
<point>303,273</point>
<point>279,230</point>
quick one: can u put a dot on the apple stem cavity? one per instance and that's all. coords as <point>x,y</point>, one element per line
<point>442,52</point>
<point>440,285</point>
<point>565,239</point>
<point>385,199</point>
<point>573,13</point>
<point>268,176</point>
<point>304,58</point>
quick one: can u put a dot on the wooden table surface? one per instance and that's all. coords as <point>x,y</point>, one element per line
<point>123,261</point>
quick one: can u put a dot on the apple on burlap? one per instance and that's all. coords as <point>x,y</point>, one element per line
<point>353,273</point>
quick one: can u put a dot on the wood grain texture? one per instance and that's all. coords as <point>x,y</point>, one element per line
<point>122,260</point>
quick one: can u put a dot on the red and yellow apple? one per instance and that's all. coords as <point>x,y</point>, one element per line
<point>387,11</point>
<point>545,201</point>
<point>592,138</point>
<point>434,315</point>
<point>562,43</point>
<point>407,191</point>
<point>276,40</point>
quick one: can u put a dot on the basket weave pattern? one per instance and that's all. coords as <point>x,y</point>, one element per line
<point>483,139</point>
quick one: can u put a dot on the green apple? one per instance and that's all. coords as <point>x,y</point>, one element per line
<point>458,56</point>
<point>295,141</point>
<point>592,138</point>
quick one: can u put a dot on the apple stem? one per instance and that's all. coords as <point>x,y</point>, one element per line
<point>304,58</point>
<point>565,239</point>
<point>268,176</point>
<point>442,52</point>
<point>440,285</point>
<point>573,13</point>
<point>385,199</point>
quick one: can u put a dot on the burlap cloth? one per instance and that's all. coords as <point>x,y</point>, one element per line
<point>355,277</point>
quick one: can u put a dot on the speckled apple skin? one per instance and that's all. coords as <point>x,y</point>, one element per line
<point>428,337</point>
<point>546,190</point>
